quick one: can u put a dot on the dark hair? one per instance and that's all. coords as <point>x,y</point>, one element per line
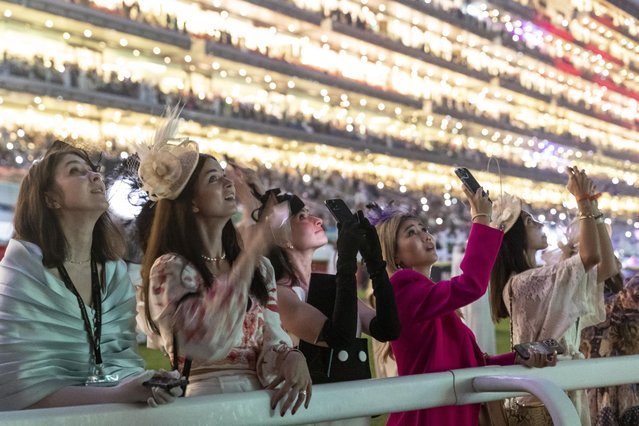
<point>171,227</point>
<point>36,222</point>
<point>282,266</point>
<point>511,259</point>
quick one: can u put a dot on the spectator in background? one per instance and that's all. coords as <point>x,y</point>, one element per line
<point>618,335</point>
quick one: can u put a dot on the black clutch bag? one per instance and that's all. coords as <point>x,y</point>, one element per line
<point>330,365</point>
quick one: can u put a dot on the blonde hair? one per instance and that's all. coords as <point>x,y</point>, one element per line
<point>387,231</point>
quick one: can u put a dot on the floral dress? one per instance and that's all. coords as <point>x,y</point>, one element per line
<point>233,349</point>
<point>617,335</point>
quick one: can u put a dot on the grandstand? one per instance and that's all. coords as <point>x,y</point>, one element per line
<point>361,99</point>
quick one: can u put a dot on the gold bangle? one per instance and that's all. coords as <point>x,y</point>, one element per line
<point>586,216</point>
<point>478,215</point>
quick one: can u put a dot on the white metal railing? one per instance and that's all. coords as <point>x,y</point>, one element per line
<point>359,398</point>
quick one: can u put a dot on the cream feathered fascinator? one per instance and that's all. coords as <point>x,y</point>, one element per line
<point>506,211</point>
<point>167,163</point>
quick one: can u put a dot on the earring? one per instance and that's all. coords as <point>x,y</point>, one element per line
<point>53,204</point>
<point>195,209</point>
<point>289,245</point>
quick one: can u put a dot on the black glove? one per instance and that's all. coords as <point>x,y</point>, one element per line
<point>340,330</point>
<point>370,248</point>
<point>385,326</point>
<point>348,244</point>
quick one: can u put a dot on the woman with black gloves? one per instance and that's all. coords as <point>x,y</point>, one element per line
<point>321,311</point>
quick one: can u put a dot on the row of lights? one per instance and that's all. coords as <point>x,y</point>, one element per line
<point>156,50</point>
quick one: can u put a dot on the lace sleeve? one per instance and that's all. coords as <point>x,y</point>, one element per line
<point>548,300</point>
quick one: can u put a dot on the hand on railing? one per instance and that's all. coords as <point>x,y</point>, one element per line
<point>296,383</point>
<point>537,359</point>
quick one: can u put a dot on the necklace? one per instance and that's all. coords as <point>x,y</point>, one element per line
<point>214,259</point>
<point>78,262</point>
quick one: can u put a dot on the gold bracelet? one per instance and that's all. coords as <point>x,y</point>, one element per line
<point>478,215</point>
<point>586,216</point>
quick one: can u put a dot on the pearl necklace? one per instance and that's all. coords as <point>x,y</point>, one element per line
<point>214,259</point>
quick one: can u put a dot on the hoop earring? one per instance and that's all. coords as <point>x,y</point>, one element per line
<point>195,209</point>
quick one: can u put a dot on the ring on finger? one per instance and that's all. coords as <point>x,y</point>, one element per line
<point>302,392</point>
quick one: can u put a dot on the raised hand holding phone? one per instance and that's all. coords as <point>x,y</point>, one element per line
<point>340,210</point>
<point>480,204</point>
<point>468,179</point>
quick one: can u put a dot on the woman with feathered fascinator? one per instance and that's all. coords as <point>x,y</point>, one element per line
<point>434,338</point>
<point>556,300</point>
<point>209,302</point>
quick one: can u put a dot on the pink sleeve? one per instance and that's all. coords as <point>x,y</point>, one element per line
<point>419,299</point>
<point>207,322</point>
<point>502,359</point>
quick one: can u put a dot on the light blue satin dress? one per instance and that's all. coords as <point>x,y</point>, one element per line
<point>43,342</point>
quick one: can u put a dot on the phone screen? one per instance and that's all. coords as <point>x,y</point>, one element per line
<point>339,210</point>
<point>468,179</point>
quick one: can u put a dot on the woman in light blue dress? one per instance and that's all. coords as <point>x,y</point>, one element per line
<point>67,306</point>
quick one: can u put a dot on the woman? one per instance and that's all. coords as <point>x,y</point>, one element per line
<point>66,302</point>
<point>434,337</point>
<point>205,298</point>
<point>554,301</point>
<point>618,335</point>
<point>323,310</point>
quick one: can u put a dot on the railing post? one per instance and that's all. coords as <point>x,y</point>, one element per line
<point>559,406</point>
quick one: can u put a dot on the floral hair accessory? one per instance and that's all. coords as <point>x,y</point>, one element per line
<point>506,211</point>
<point>167,163</point>
<point>377,215</point>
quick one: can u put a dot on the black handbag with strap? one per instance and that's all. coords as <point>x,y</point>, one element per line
<point>330,365</point>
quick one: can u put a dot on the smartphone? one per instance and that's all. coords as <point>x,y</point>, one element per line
<point>547,346</point>
<point>166,382</point>
<point>468,179</point>
<point>340,210</point>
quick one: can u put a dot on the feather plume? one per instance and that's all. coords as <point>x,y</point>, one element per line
<point>377,214</point>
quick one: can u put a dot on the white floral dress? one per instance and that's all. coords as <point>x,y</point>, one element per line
<point>232,349</point>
